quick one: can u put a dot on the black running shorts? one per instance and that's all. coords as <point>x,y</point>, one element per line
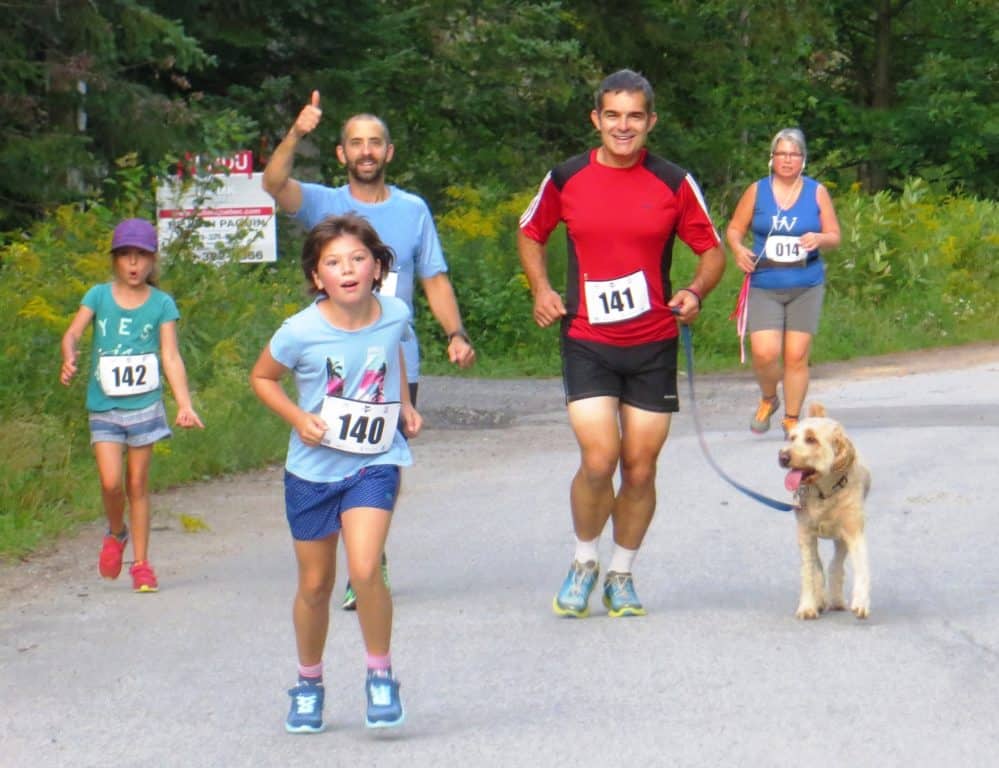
<point>643,376</point>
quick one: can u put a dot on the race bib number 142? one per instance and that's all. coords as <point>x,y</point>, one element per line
<point>123,375</point>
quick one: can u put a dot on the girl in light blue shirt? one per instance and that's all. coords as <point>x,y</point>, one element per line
<point>344,352</point>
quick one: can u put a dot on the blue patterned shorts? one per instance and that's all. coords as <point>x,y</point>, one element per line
<point>314,509</point>
<point>143,426</point>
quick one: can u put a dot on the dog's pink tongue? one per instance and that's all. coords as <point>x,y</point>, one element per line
<point>793,479</point>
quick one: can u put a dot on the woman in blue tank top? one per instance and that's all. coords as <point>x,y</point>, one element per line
<point>791,217</point>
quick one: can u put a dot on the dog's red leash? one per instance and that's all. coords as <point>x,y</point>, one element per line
<point>688,348</point>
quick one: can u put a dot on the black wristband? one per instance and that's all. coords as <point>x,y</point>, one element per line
<point>695,294</point>
<point>460,333</point>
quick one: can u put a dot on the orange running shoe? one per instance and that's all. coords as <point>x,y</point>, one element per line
<point>764,412</point>
<point>788,423</point>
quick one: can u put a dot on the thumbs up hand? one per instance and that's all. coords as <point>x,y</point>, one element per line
<point>309,117</point>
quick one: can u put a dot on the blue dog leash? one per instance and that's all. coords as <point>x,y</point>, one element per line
<point>688,349</point>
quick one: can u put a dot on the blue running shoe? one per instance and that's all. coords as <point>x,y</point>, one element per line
<point>573,598</point>
<point>384,705</point>
<point>306,714</point>
<point>619,596</point>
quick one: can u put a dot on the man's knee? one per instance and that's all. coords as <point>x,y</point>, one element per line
<point>598,466</point>
<point>638,474</point>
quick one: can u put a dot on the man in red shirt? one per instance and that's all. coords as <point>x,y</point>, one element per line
<point>623,208</point>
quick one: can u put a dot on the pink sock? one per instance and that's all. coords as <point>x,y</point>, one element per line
<point>311,671</point>
<point>381,663</point>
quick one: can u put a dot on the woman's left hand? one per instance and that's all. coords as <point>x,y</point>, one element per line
<point>810,241</point>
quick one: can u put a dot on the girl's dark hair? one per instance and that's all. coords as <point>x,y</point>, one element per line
<point>333,227</point>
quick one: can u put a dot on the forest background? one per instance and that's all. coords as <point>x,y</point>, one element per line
<point>101,99</point>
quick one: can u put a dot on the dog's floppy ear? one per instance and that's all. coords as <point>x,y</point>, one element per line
<point>844,451</point>
<point>816,410</point>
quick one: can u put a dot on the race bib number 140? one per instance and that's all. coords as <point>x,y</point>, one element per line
<point>356,426</point>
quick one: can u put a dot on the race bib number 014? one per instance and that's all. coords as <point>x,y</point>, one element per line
<point>355,426</point>
<point>123,375</point>
<point>784,249</point>
<point>612,301</point>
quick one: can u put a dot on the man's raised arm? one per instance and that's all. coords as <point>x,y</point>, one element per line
<point>277,175</point>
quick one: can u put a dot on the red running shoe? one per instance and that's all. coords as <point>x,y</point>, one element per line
<point>109,563</point>
<point>143,578</point>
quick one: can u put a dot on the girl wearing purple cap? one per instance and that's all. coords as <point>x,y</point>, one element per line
<point>135,336</point>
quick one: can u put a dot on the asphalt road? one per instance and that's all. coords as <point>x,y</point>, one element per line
<point>719,673</point>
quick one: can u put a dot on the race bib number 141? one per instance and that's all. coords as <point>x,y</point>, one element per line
<point>611,301</point>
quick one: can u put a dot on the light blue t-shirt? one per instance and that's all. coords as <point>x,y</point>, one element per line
<point>404,223</point>
<point>769,219</point>
<point>360,365</point>
<point>119,331</point>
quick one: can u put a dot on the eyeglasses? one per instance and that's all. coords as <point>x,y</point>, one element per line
<point>787,155</point>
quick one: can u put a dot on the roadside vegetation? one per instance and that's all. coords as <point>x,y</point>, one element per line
<point>915,269</point>
<point>101,100</point>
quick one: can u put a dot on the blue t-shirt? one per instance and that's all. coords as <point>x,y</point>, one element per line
<point>119,331</point>
<point>769,219</point>
<point>404,223</point>
<point>360,365</point>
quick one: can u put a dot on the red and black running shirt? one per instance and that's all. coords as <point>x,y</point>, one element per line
<point>620,221</point>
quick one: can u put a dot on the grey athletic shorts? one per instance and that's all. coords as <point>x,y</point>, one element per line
<point>788,309</point>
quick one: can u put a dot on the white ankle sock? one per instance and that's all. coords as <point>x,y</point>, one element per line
<point>622,559</point>
<point>587,551</point>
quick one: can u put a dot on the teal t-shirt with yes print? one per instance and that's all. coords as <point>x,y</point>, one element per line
<point>119,331</point>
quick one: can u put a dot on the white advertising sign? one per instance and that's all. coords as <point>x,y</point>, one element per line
<point>234,212</point>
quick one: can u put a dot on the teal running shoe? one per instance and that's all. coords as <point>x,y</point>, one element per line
<point>384,704</point>
<point>573,598</point>
<point>306,714</point>
<point>620,598</point>
<point>349,599</point>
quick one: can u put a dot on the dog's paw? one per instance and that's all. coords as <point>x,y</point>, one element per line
<point>807,611</point>
<point>861,607</point>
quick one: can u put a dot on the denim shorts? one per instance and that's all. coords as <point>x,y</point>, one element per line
<point>143,426</point>
<point>314,509</point>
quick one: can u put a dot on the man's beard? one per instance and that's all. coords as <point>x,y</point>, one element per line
<point>367,176</point>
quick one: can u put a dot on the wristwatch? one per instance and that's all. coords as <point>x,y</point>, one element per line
<point>460,333</point>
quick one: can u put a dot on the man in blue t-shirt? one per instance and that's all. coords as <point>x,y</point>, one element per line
<point>403,222</point>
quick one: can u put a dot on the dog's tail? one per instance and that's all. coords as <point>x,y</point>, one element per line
<point>816,410</point>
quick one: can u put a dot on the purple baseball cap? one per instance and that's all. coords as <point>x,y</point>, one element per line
<point>137,233</point>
